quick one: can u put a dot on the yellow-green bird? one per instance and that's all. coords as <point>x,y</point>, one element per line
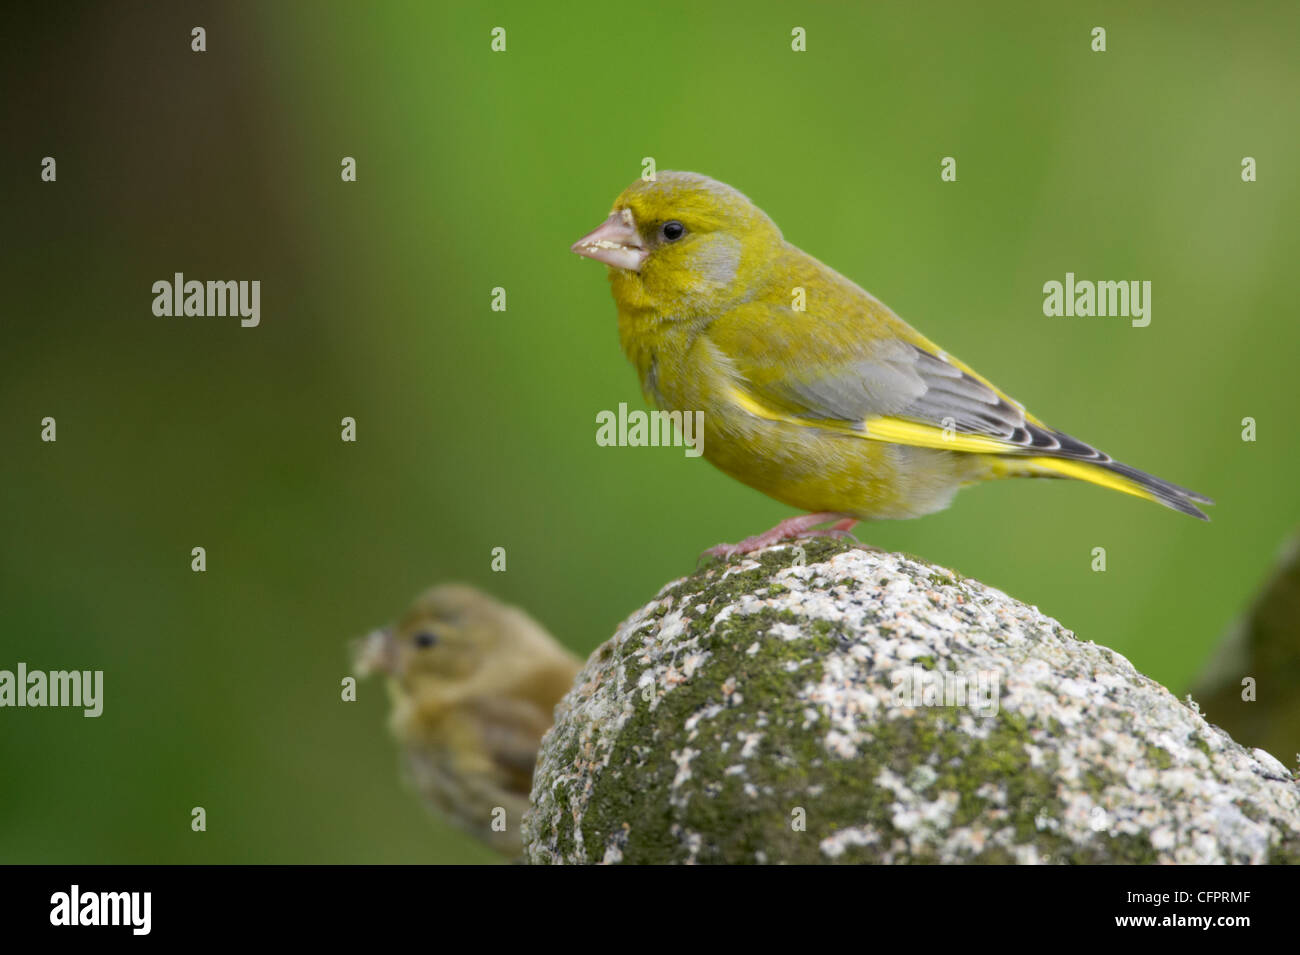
<point>839,408</point>
<point>474,684</point>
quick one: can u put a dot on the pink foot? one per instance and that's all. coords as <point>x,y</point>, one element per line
<point>793,527</point>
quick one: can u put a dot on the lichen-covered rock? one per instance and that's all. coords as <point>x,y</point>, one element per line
<point>825,703</point>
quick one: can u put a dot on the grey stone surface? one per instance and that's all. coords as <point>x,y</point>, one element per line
<point>759,711</point>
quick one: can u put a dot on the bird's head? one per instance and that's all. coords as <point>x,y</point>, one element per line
<point>455,640</point>
<point>445,635</point>
<point>682,245</point>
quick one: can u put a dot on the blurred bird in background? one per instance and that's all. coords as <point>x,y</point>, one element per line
<point>474,684</point>
<point>812,390</point>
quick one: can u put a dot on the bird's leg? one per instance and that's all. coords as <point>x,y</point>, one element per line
<point>792,527</point>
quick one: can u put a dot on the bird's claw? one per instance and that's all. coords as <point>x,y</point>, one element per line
<point>792,529</point>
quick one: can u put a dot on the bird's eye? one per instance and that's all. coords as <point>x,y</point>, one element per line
<point>672,231</point>
<point>425,639</point>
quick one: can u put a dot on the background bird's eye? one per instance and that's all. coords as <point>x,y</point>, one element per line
<point>425,639</point>
<point>672,231</point>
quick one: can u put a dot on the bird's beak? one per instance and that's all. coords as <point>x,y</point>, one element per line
<point>375,653</point>
<point>614,242</point>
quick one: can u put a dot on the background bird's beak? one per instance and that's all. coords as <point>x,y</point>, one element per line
<point>375,653</point>
<point>614,242</point>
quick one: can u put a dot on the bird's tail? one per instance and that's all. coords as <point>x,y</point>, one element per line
<point>1106,473</point>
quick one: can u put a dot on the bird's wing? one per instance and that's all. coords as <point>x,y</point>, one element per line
<point>857,368</point>
<point>510,731</point>
<point>863,370</point>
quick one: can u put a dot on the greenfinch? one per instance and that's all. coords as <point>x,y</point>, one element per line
<point>812,390</point>
<point>473,684</point>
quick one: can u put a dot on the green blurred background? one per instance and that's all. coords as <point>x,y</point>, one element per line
<point>477,428</point>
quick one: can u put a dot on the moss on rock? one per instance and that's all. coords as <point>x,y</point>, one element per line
<point>753,712</point>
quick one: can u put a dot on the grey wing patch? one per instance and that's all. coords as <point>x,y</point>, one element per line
<point>952,397</point>
<point>861,389</point>
<point>908,382</point>
<point>911,383</point>
<point>974,408</point>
